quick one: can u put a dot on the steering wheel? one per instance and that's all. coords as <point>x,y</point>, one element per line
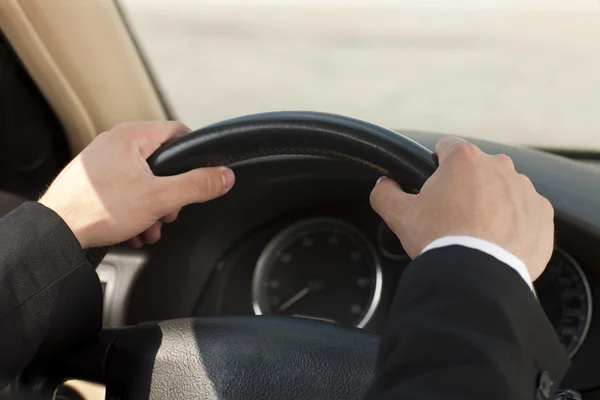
<point>253,357</point>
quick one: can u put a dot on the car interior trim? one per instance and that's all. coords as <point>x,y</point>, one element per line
<point>90,88</point>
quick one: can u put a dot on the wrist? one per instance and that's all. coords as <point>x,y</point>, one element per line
<point>485,246</point>
<point>67,218</point>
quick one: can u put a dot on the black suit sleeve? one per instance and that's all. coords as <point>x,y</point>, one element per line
<point>50,296</point>
<point>463,325</point>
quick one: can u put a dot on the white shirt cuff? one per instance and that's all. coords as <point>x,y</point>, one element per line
<point>487,247</point>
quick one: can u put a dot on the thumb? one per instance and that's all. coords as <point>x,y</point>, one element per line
<point>195,186</point>
<point>390,201</point>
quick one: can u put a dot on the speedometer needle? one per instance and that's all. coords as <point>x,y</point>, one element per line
<point>313,286</point>
<point>293,300</point>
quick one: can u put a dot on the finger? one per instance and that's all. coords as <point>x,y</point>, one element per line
<point>151,135</point>
<point>196,186</point>
<point>152,234</point>
<point>390,201</point>
<point>449,145</point>
<point>170,217</point>
<point>136,242</point>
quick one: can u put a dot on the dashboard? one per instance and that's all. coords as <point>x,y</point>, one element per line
<point>330,269</point>
<point>296,237</point>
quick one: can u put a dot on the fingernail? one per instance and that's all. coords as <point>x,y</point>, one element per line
<point>379,180</point>
<point>228,178</point>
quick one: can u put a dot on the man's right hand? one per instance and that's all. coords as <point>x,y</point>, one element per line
<point>471,194</point>
<point>108,194</point>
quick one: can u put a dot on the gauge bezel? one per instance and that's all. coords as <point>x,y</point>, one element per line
<point>588,294</point>
<point>294,230</point>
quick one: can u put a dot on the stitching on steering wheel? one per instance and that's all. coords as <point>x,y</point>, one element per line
<point>295,151</point>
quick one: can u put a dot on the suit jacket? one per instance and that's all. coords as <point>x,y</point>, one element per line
<point>50,296</point>
<point>462,325</point>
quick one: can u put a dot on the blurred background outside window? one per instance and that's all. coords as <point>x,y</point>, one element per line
<point>521,72</point>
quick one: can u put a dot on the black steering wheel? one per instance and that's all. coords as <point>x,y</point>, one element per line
<point>254,357</point>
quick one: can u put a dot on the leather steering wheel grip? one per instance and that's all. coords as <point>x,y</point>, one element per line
<point>298,133</point>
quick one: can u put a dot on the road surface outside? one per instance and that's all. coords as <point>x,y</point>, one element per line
<point>524,72</point>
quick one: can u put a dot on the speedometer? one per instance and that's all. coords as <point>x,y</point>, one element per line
<point>565,296</point>
<point>319,268</point>
<point>325,268</point>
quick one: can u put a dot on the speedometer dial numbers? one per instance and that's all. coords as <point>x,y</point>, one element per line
<point>565,295</point>
<point>320,269</point>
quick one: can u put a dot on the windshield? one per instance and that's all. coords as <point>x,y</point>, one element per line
<point>525,72</point>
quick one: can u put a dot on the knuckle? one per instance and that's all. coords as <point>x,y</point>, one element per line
<point>450,140</point>
<point>446,141</point>
<point>122,133</point>
<point>123,126</point>
<point>375,198</point>
<point>203,183</point>
<point>103,137</point>
<point>176,128</point>
<point>526,181</point>
<point>467,151</point>
<point>505,161</point>
<point>547,206</point>
<point>179,126</point>
<point>208,183</point>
